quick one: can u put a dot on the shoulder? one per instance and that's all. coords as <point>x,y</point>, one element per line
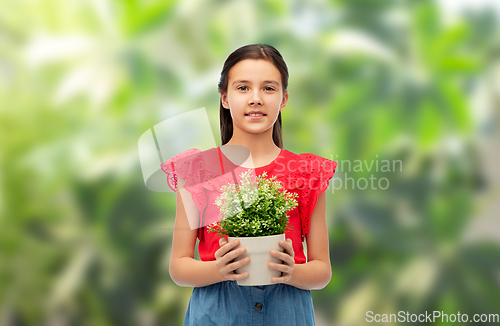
<point>170,165</point>
<point>306,163</point>
<point>188,158</point>
<point>304,169</point>
<point>308,174</point>
<point>192,165</point>
<point>312,163</point>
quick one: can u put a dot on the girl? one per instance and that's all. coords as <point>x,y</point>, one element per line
<point>253,89</point>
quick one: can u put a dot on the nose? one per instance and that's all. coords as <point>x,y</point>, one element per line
<point>255,99</point>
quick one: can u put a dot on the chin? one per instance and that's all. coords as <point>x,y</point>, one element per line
<point>259,130</point>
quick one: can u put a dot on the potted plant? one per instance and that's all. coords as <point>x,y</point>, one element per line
<point>255,213</point>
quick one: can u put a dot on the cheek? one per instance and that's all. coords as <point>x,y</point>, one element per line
<point>236,100</point>
<point>276,101</point>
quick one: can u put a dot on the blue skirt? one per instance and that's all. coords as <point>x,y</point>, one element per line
<point>227,303</point>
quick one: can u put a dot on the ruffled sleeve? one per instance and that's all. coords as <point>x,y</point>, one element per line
<point>313,177</point>
<point>189,166</point>
<point>181,165</point>
<point>201,173</point>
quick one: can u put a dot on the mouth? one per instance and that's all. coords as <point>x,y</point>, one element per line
<point>255,114</point>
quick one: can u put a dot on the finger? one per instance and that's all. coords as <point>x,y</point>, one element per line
<point>234,254</point>
<point>282,279</point>
<point>235,277</point>
<point>227,247</point>
<point>283,256</point>
<point>288,246</point>
<point>218,252</point>
<point>280,267</point>
<point>242,262</point>
<point>227,256</point>
<point>278,254</point>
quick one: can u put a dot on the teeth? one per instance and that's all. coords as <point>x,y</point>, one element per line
<point>255,114</point>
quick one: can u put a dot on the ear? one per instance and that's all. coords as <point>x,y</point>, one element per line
<point>284,101</point>
<point>223,97</point>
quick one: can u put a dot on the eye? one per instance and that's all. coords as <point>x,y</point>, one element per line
<point>269,88</point>
<point>242,87</point>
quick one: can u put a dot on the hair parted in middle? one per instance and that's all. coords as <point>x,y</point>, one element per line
<point>251,51</point>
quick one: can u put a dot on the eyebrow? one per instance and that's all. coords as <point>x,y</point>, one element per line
<point>264,82</point>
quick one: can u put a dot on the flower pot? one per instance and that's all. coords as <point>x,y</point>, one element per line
<point>259,251</point>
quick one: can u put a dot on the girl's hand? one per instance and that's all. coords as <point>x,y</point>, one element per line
<point>224,256</point>
<point>288,257</point>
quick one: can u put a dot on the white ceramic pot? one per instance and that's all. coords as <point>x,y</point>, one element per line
<point>259,251</point>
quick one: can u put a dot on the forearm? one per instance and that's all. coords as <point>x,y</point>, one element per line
<point>187,271</point>
<point>313,275</point>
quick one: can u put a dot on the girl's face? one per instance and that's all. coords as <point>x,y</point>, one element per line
<point>254,85</point>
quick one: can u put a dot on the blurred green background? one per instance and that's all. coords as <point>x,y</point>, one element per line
<point>84,242</point>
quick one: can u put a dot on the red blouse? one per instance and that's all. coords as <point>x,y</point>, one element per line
<point>205,172</point>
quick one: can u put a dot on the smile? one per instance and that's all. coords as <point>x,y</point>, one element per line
<point>255,116</point>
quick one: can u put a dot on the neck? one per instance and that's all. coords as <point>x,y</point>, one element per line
<point>261,145</point>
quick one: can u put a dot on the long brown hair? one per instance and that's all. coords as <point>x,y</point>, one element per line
<point>251,51</point>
